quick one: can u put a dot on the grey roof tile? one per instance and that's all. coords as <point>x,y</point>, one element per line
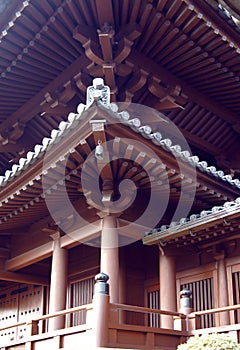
<point>124,116</point>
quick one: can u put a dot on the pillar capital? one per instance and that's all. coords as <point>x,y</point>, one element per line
<point>219,255</point>
<point>166,250</point>
<point>55,235</point>
<point>104,214</point>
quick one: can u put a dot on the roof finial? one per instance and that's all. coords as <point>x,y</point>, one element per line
<point>98,92</point>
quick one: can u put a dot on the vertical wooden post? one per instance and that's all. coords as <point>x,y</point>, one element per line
<point>223,300</point>
<point>32,327</point>
<point>185,304</point>
<point>101,310</point>
<point>185,301</point>
<point>168,298</point>
<point>110,255</point>
<point>58,287</point>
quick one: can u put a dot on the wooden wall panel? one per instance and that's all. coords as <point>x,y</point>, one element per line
<point>30,306</point>
<point>8,315</point>
<point>19,304</point>
<point>81,293</point>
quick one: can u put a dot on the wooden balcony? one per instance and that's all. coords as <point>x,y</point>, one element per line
<point>109,325</point>
<point>121,334</point>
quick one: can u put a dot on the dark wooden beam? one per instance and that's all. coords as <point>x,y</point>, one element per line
<point>12,148</point>
<point>23,278</point>
<point>196,96</point>
<point>32,107</point>
<point>30,257</point>
<point>104,12</point>
<point>213,16</point>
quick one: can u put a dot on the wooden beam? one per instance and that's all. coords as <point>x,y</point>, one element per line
<point>75,237</point>
<point>32,107</point>
<point>30,257</point>
<point>23,144</point>
<point>104,12</point>
<point>164,75</point>
<point>81,235</point>
<point>23,278</point>
<point>12,147</point>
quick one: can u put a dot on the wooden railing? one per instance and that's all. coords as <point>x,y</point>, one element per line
<point>194,321</point>
<point>119,326</point>
<point>115,326</point>
<point>32,326</point>
<point>140,334</point>
<point>147,311</point>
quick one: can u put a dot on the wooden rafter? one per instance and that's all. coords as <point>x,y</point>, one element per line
<point>163,74</point>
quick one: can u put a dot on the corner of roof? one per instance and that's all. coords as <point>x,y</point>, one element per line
<point>98,96</point>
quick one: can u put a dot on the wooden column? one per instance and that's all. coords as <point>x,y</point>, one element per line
<point>58,284</point>
<point>168,293</point>
<point>223,299</point>
<point>110,255</point>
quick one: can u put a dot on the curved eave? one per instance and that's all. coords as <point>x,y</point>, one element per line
<point>78,127</point>
<point>208,219</point>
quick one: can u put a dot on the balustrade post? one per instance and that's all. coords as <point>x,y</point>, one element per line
<point>185,302</point>
<point>101,310</point>
<point>181,323</point>
<point>32,327</point>
<point>186,305</point>
<point>194,322</point>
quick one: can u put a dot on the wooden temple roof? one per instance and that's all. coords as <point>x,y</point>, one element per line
<point>180,57</point>
<point>58,164</point>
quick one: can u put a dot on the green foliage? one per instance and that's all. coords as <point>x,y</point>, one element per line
<point>211,342</point>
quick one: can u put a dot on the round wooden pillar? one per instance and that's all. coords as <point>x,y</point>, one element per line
<point>168,293</point>
<point>223,299</point>
<point>58,286</point>
<point>110,255</point>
